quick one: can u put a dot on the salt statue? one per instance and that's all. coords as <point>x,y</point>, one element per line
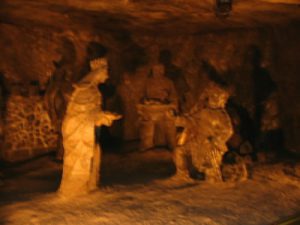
<point>157,109</point>
<point>206,129</point>
<point>82,155</point>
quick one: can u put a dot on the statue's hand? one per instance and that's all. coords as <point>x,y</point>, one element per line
<point>113,116</point>
<point>107,118</point>
<point>182,137</point>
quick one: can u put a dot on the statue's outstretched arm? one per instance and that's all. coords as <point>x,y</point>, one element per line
<point>107,118</point>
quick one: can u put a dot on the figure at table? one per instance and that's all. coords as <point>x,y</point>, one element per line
<point>157,109</point>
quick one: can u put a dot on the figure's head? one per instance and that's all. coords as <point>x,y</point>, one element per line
<point>216,96</point>
<point>99,70</point>
<point>158,70</point>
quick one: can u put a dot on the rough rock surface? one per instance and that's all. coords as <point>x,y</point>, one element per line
<point>28,129</point>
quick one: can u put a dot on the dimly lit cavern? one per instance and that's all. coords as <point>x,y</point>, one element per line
<point>150,112</point>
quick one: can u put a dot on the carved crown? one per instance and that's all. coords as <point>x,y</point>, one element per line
<point>97,63</point>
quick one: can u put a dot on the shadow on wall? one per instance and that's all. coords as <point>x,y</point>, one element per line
<point>268,130</point>
<point>176,75</point>
<point>131,57</point>
<point>3,96</point>
<point>132,54</point>
<point>259,130</point>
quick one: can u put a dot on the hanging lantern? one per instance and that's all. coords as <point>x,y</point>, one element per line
<point>223,8</point>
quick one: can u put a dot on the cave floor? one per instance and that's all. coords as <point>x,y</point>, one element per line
<point>136,189</point>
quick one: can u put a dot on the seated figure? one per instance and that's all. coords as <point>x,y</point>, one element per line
<point>206,129</point>
<point>157,109</point>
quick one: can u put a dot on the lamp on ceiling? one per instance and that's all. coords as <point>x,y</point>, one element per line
<point>223,8</point>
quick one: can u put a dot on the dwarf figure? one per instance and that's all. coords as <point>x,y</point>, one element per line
<point>206,129</point>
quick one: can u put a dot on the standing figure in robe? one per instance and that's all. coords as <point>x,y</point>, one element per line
<point>82,156</point>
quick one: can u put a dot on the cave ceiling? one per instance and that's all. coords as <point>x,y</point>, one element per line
<point>167,17</point>
<point>31,30</point>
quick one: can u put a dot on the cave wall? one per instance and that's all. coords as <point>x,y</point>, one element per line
<point>225,54</point>
<point>195,57</point>
<point>287,61</point>
<point>28,131</point>
<point>26,54</point>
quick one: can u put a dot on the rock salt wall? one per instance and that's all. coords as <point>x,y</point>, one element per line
<point>227,53</point>
<point>28,130</point>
